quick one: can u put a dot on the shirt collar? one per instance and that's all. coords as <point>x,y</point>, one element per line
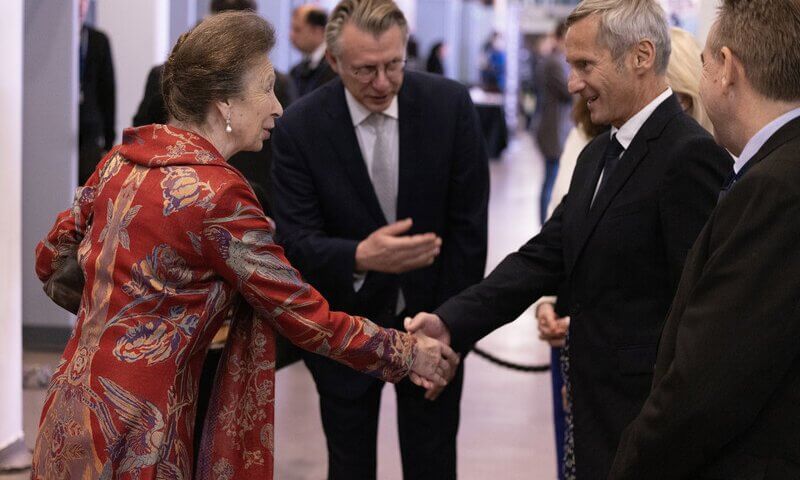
<point>759,139</point>
<point>629,129</point>
<point>316,56</point>
<point>359,112</point>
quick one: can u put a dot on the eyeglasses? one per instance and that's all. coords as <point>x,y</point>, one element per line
<point>368,73</point>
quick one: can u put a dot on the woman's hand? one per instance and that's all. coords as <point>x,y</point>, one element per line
<point>435,363</point>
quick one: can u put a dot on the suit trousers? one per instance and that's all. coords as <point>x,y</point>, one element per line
<point>427,431</point>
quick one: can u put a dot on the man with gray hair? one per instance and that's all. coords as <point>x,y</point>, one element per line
<point>381,194</point>
<point>614,248</point>
<point>725,402</point>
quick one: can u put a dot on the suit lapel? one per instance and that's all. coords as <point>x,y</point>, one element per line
<point>342,136</point>
<point>633,156</point>
<point>409,115</point>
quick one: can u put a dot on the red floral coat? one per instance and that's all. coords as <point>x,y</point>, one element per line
<point>172,242</point>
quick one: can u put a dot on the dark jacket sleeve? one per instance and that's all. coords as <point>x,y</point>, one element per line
<point>464,241</point>
<point>327,262</point>
<point>688,195</point>
<point>536,269</point>
<point>734,342</point>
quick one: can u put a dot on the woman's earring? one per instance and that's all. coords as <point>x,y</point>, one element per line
<point>228,123</point>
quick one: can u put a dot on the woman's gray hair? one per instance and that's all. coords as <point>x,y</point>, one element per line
<point>624,23</point>
<point>372,16</point>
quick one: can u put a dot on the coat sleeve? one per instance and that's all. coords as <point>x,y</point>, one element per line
<point>61,243</point>
<point>735,340</point>
<point>238,243</point>
<point>687,197</point>
<point>464,241</point>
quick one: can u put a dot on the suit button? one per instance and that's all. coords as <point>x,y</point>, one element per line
<point>575,310</point>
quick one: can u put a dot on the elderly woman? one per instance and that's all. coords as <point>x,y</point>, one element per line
<point>172,243</point>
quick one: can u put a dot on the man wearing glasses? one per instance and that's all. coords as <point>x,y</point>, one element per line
<point>381,191</point>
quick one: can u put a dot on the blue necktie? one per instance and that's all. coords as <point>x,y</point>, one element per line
<point>733,178</point>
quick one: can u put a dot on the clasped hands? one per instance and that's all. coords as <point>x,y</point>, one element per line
<point>430,327</point>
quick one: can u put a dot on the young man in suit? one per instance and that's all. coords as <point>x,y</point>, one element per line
<point>308,36</point>
<point>726,393</point>
<point>381,191</point>
<point>614,249</point>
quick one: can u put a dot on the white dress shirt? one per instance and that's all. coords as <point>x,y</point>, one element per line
<point>366,135</point>
<point>629,129</point>
<point>759,139</point>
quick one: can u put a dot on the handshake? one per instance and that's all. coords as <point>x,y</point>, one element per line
<point>435,363</point>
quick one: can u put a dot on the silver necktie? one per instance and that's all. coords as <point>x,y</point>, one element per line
<point>384,173</point>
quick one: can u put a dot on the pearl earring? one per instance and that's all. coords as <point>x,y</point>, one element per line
<point>228,123</point>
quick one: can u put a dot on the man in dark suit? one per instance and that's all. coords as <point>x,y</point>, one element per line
<point>381,193</point>
<point>614,249</point>
<point>98,97</point>
<point>725,402</point>
<point>308,36</point>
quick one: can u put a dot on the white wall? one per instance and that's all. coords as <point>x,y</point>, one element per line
<point>706,16</point>
<point>11,233</point>
<point>49,138</point>
<point>438,20</point>
<point>139,34</point>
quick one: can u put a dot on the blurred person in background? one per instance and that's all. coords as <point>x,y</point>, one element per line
<point>98,98</point>
<point>172,243</point>
<point>493,64</point>
<point>308,36</point>
<point>683,75</point>
<point>554,121</point>
<point>413,63</point>
<point>435,63</point>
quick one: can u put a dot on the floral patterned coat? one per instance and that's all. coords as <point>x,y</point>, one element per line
<point>172,242</point>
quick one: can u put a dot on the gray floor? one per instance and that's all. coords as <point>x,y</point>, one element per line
<point>506,427</point>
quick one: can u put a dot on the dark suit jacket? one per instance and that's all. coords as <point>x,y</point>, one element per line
<point>255,166</point>
<point>97,110</point>
<point>306,80</point>
<point>614,267</point>
<point>325,203</point>
<point>726,392</point>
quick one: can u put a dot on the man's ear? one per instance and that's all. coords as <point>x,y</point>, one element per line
<point>732,70</point>
<point>644,56</point>
<point>332,61</point>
